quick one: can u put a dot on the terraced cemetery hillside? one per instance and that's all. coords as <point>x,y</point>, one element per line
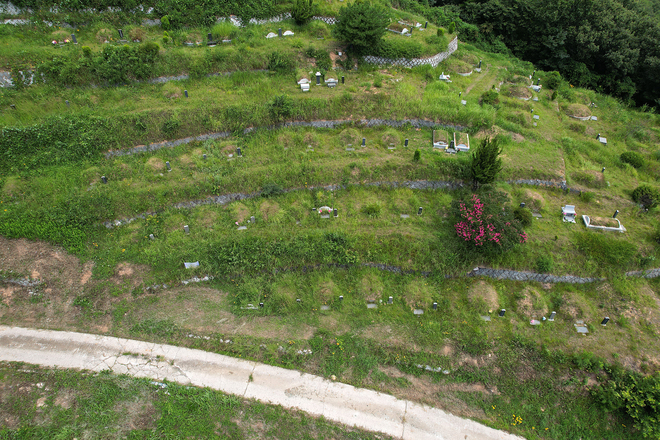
<point>156,187</point>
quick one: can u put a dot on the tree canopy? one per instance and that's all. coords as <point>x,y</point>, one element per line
<point>486,163</point>
<point>362,25</point>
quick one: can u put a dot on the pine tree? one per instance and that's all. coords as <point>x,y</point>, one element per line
<point>362,25</point>
<point>486,163</point>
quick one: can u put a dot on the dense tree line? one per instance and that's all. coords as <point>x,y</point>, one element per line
<point>607,45</point>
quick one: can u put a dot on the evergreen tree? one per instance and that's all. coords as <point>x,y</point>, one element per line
<point>303,11</point>
<point>486,163</point>
<point>362,25</point>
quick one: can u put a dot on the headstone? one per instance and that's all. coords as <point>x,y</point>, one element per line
<point>502,312</point>
<point>67,103</point>
<point>480,64</point>
<point>209,37</point>
<point>104,179</point>
<point>426,24</point>
<point>335,213</point>
<point>73,37</point>
<point>435,306</point>
<point>252,219</point>
<point>279,32</point>
<point>13,106</point>
<point>419,211</point>
<point>552,316</point>
<point>460,94</point>
<point>239,153</point>
<point>298,300</point>
<point>538,81</point>
<point>342,79</point>
<point>186,229</point>
<point>522,204</point>
<point>121,34</point>
<point>364,142</point>
<point>615,213</point>
<point>167,164</point>
<point>418,312</point>
<point>341,297</point>
<point>390,300</point>
<point>605,321</point>
<point>405,143</point>
<point>151,237</point>
<point>304,87</point>
<point>603,170</point>
<point>287,33</point>
<point>185,92</point>
<point>204,156</point>
<point>191,265</point>
<point>318,78</point>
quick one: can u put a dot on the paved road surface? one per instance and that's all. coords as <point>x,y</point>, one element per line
<point>335,401</point>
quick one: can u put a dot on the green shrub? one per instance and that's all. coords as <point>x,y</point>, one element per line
<point>490,97</point>
<point>281,107</point>
<point>523,215</point>
<point>87,51</point>
<point>544,264</point>
<point>303,11</point>
<point>552,80</point>
<point>452,27</point>
<point>633,158</point>
<point>440,32</point>
<point>372,210</point>
<point>634,395</point>
<point>646,195</point>
<point>165,23</point>
<point>587,196</point>
<point>281,62</point>
<point>399,48</point>
<point>271,189</point>
<point>417,155</point>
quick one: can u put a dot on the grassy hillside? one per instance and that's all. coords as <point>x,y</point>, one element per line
<point>117,279</point>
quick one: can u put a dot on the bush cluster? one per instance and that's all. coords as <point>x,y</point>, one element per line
<point>646,195</point>
<point>633,158</point>
<point>399,48</point>
<point>523,215</point>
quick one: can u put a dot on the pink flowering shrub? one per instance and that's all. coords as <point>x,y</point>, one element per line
<point>484,224</point>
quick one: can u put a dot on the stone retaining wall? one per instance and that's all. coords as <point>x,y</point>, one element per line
<point>413,62</point>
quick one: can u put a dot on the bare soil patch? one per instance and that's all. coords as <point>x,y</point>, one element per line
<point>520,92</point>
<point>156,164</point>
<point>578,110</point>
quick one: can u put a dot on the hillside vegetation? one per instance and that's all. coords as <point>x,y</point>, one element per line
<point>133,158</point>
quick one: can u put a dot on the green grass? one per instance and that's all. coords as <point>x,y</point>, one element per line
<point>41,403</point>
<point>50,189</point>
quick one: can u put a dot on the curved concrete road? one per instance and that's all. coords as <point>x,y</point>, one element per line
<point>335,401</point>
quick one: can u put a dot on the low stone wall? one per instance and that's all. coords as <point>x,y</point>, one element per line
<point>413,62</point>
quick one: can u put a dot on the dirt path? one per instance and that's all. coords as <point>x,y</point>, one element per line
<point>313,394</point>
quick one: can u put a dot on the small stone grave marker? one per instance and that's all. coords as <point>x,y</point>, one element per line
<point>191,265</point>
<point>271,35</point>
<point>309,148</point>
<point>364,142</point>
<point>335,213</point>
<point>581,328</point>
<point>536,98</point>
<point>537,215</point>
<point>536,117</point>
<point>252,219</point>
<point>464,102</point>
<point>104,179</point>
<point>242,228</point>
<point>535,125</point>
<point>486,318</point>
<point>204,156</point>
<point>249,307</point>
<point>419,211</point>
<point>594,118</point>
<point>502,312</point>
<point>325,307</point>
<point>605,321</point>
<point>390,300</point>
<point>325,215</point>
<point>151,236</point>
<point>535,322</point>
<point>350,149</point>
<point>239,153</point>
<point>405,144</point>
<point>288,33</point>
<point>405,216</point>
<point>435,306</point>
<point>372,306</point>
<point>552,316</point>
<point>341,297</point>
<point>418,312</point>
<point>167,164</point>
<point>186,229</point>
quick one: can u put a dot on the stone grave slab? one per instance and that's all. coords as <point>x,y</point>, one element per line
<point>594,118</point>
<point>325,215</point>
<point>581,327</point>
<point>535,322</point>
<point>537,215</point>
<point>418,312</point>
<point>536,117</point>
<point>486,318</point>
<point>535,99</point>
<point>372,306</point>
<point>242,228</point>
<point>325,307</point>
<point>350,149</point>
<point>191,265</point>
<point>464,102</point>
<point>405,216</point>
